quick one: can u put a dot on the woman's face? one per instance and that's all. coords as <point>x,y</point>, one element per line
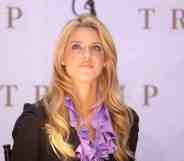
<point>84,55</point>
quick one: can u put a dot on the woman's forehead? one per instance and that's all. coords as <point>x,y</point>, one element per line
<point>84,34</point>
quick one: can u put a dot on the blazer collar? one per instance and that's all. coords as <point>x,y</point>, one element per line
<point>73,138</point>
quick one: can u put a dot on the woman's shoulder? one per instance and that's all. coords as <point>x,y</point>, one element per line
<point>133,115</point>
<point>35,110</point>
<point>29,137</point>
<point>32,117</point>
<point>134,129</point>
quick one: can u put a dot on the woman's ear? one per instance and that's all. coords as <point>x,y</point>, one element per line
<point>62,63</point>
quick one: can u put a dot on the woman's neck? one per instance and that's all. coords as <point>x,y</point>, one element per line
<point>87,96</point>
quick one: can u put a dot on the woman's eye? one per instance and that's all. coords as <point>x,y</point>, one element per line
<point>97,48</point>
<point>76,46</point>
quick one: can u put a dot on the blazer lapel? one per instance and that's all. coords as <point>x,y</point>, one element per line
<point>74,138</point>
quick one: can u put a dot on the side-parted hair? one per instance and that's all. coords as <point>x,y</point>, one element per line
<point>57,126</point>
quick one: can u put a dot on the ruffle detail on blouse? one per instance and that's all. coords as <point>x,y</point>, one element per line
<point>103,144</point>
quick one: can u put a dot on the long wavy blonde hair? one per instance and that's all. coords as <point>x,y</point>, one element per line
<point>57,126</point>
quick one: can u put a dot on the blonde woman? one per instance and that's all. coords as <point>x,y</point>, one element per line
<point>82,116</point>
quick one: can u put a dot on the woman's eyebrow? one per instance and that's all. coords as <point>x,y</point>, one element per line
<point>75,41</point>
<point>97,43</point>
<point>80,42</point>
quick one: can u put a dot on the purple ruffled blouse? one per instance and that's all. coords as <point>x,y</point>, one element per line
<point>103,144</point>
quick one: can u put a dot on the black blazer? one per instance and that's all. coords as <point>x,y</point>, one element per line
<point>31,142</point>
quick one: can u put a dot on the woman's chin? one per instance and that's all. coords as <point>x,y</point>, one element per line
<point>85,79</point>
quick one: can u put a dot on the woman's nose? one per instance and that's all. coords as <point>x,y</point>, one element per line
<point>87,53</point>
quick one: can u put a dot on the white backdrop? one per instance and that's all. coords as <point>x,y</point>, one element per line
<point>149,37</point>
